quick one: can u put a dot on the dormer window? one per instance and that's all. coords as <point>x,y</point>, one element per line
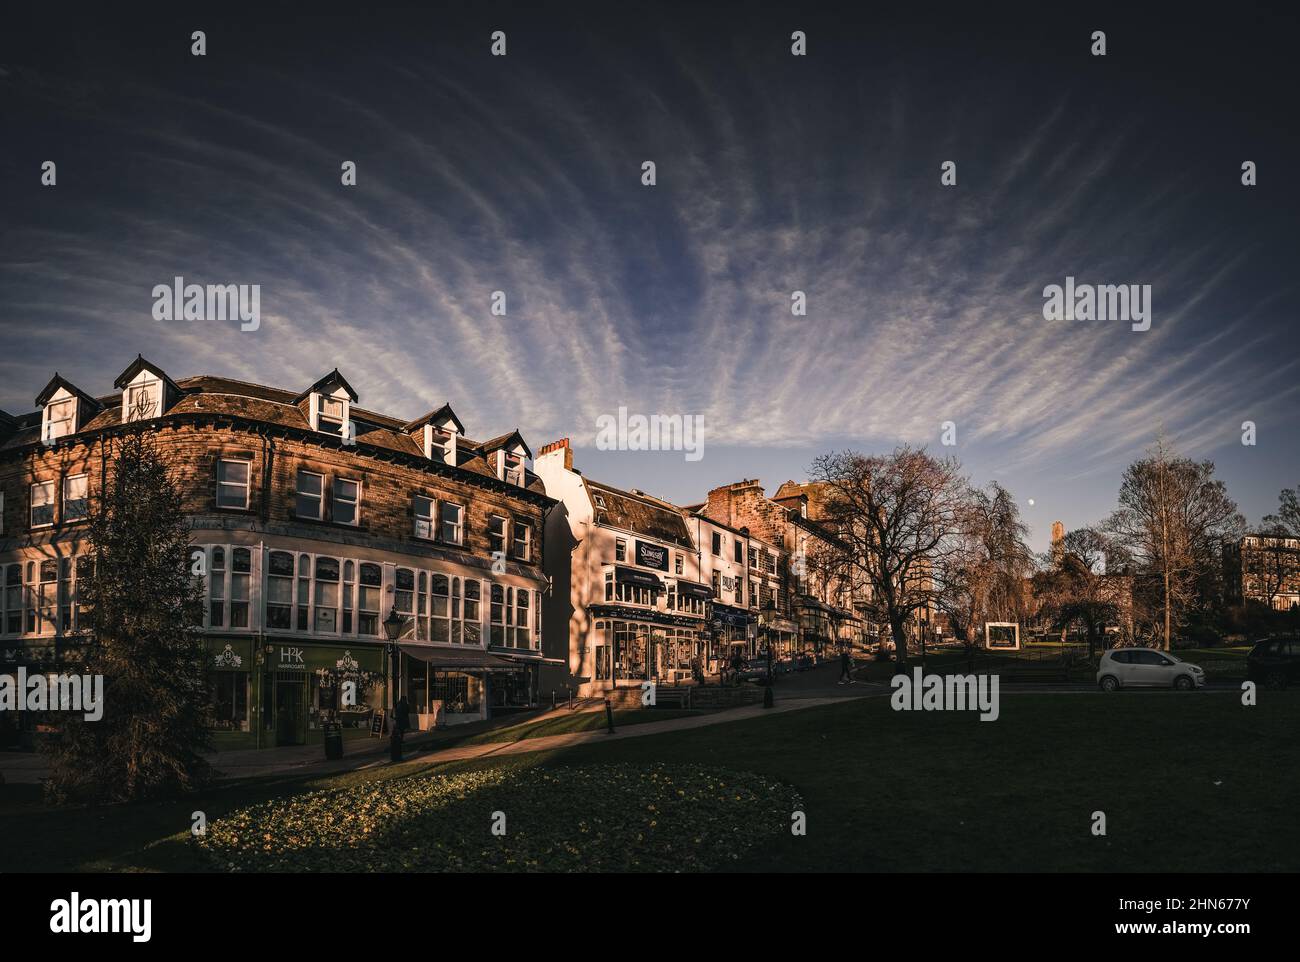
<point>142,401</point>
<point>60,419</point>
<point>331,414</point>
<point>513,469</point>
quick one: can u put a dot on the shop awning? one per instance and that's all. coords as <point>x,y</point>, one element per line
<point>642,579</point>
<point>693,589</point>
<point>470,659</point>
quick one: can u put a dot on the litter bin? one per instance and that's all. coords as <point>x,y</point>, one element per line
<point>333,732</point>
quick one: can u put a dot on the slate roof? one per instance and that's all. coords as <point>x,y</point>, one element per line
<point>640,513</point>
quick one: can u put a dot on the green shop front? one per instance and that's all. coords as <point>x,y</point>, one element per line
<point>270,692</point>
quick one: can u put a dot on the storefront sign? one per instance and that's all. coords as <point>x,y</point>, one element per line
<point>291,659</point>
<point>651,555</point>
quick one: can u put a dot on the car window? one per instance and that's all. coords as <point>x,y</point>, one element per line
<point>1148,658</point>
<point>1123,657</point>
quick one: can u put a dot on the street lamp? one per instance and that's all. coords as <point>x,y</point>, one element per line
<point>392,628</point>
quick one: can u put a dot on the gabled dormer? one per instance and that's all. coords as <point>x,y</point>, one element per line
<point>147,392</point>
<point>65,409</point>
<point>508,457</point>
<point>437,434</point>
<point>327,404</point>
<point>8,426</point>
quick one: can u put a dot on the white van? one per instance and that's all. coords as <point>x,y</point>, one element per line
<point>1147,668</point>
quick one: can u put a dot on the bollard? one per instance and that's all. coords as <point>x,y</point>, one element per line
<point>570,691</point>
<point>609,717</point>
<point>552,699</point>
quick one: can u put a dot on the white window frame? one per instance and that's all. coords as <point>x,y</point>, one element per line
<point>458,526</point>
<point>47,422</point>
<point>298,493</point>
<point>246,486</point>
<point>504,535</point>
<point>430,520</point>
<point>51,503</point>
<point>335,500</point>
<point>84,499</point>
<point>515,528</point>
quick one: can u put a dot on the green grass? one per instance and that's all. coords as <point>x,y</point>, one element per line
<point>1188,782</point>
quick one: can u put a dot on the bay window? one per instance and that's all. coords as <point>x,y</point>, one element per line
<point>326,598</point>
<point>279,590</point>
<point>217,588</point>
<point>368,599</point>
<point>241,567</point>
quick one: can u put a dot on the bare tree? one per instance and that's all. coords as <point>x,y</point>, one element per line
<point>1083,584</point>
<point>1174,518</point>
<point>898,516</point>
<point>982,578</point>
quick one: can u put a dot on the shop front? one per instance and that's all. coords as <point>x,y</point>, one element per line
<point>282,692</point>
<point>631,646</point>
<point>734,633</point>
<point>452,686</point>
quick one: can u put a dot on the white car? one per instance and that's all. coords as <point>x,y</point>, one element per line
<point>1147,668</point>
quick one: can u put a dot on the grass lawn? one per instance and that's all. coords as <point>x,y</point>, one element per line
<point>578,721</point>
<point>1188,782</point>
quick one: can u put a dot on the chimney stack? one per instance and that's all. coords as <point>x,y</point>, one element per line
<point>563,443</point>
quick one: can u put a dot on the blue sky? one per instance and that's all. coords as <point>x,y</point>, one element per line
<point>775,174</point>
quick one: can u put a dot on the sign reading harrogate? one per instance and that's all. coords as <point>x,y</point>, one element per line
<point>651,556</point>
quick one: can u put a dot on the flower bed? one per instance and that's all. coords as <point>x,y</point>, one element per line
<point>617,817</point>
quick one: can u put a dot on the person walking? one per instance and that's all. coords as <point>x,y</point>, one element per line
<point>402,717</point>
<point>846,667</point>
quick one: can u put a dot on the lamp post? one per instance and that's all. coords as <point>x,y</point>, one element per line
<point>393,628</point>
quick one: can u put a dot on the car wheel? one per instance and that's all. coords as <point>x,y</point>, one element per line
<point>1183,683</point>
<point>1109,683</point>
<point>1275,681</point>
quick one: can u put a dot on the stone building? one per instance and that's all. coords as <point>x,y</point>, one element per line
<point>1264,568</point>
<point>316,521</point>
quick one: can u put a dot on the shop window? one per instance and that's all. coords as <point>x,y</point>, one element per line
<point>229,700</point>
<point>523,623</point>
<point>441,608</point>
<point>404,595</point>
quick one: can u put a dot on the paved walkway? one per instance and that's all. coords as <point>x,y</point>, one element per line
<point>363,753</point>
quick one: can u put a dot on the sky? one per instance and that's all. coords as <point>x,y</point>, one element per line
<point>774,174</point>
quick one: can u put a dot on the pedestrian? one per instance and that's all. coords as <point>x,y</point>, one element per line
<point>737,665</point>
<point>846,667</point>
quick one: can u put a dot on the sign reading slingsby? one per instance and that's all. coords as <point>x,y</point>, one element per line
<point>651,555</point>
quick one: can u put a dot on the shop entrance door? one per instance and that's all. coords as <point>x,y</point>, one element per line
<point>290,711</point>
